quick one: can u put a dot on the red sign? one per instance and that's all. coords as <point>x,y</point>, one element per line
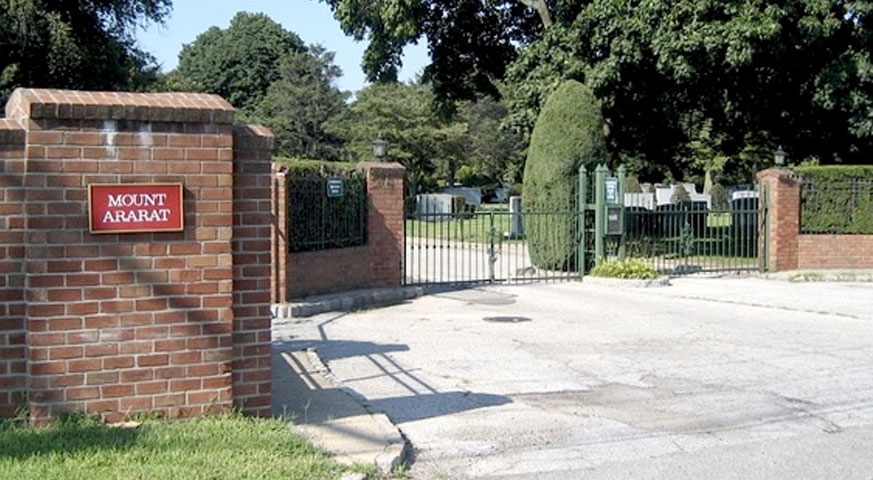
<point>127,208</point>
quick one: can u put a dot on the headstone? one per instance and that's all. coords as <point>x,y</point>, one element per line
<point>473,195</point>
<point>435,207</point>
<point>516,224</point>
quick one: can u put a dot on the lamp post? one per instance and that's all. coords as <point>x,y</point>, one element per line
<point>380,148</point>
<point>779,156</point>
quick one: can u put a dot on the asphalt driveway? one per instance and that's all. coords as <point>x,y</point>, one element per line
<point>708,378</point>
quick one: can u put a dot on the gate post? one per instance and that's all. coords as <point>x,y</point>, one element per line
<point>621,173</point>
<point>582,194</point>
<point>600,212</point>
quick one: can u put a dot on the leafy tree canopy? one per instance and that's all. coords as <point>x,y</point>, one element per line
<point>470,42</point>
<point>240,62</point>
<point>300,102</point>
<point>432,148</point>
<point>75,44</point>
<point>271,77</point>
<point>692,85</point>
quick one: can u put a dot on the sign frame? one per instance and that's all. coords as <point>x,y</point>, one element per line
<point>611,191</point>
<point>179,228</point>
<point>335,187</point>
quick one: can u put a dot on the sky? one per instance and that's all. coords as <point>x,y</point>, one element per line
<point>311,20</point>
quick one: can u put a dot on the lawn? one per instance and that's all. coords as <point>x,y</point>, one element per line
<point>213,447</point>
<point>474,228</point>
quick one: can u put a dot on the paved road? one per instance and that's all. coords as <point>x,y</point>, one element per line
<point>709,378</point>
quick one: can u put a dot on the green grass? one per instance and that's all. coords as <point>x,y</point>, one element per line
<point>213,447</point>
<point>475,228</point>
<point>719,220</point>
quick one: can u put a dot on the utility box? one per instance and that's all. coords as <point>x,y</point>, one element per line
<point>614,220</point>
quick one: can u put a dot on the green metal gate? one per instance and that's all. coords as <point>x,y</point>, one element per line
<point>679,239</point>
<point>482,247</point>
<point>469,248</point>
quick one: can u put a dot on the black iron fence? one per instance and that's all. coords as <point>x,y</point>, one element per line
<point>326,212</point>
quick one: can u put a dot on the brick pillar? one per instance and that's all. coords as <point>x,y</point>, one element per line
<point>126,323</point>
<point>385,197</point>
<point>281,264</point>
<point>784,221</point>
<point>13,355</point>
<point>252,253</point>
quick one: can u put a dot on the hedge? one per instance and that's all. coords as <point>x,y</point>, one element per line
<point>567,134</point>
<point>836,199</point>
<point>305,167</point>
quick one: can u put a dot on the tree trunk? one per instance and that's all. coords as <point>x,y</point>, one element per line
<point>542,9</point>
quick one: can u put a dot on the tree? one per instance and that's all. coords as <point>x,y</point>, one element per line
<point>402,115</point>
<point>271,77</point>
<point>240,62</point>
<point>75,44</point>
<point>568,134</point>
<point>300,102</point>
<point>470,42</point>
<point>749,74</point>
<point>491,151</point>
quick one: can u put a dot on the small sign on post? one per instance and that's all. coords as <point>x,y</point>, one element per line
<point>334,187</point>
<point>612,191</point>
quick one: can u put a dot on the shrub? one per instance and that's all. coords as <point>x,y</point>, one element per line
<point>632,184</point>
<point>680,194</point>
<point>568,133</point>
<point>836,199</point>
<point>720,199</point>
<point>627,269</point>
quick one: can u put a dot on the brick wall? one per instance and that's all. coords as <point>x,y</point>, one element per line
<point>835,251</point>
<point>126,323</point>
<point>252,230</point>
<point>789,249</point>
<point>379,263</point>
<point>13,365</point>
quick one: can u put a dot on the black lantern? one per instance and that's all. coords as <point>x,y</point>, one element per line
<point>380,148</point>
<point>779,156</point>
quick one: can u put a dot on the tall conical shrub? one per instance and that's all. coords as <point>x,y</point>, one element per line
<point>569,132</point>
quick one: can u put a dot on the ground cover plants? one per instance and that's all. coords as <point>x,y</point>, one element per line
<point>625,269</point>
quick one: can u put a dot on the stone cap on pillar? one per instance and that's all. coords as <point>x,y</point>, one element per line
<point>780,174</point>
<point>381,169</point>
<point>38,103</point>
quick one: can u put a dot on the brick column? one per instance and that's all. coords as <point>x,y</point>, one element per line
<point>385,197</point>
<point>13,355</point>
<point>252,231</point>
<point>784,220</point>
<point>126,323</point>
<point>281,264</point>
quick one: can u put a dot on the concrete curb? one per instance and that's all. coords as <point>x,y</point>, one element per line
<point>803,276</point>
<point>625,282</point>
<point>398,446</point>
<point>344,301</point>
